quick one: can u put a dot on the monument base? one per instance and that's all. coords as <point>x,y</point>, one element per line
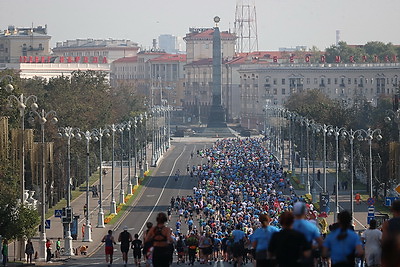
<point>216,118</point>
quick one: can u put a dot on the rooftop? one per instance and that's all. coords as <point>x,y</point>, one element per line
<point>207,34</point>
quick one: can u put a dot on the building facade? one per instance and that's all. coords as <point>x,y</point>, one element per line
<point>158,76</point>
<point>108,48</point>
<point>16,42</point>
<point>269,84</point>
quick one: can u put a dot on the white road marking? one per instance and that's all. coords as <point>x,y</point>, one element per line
<point>162,192</point>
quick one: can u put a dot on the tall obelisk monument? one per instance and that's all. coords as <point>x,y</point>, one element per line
<point>217,117</point>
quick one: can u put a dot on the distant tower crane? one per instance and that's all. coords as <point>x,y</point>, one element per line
<point>246,26</point>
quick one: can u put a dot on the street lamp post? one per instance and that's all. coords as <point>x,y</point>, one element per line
<point>43,117</point>
<point>98,136</point>
<point>369,135</point>
<point>87,237</point>
<point>68,133</point>
<point>135,149</point>
<point>129,186</point>
<point>22,102</point>
<point>351,135</point>
<point>169,126</point>
<point>324,128</point>
<point>337,132</point>
<point>121,128</point>
<point>113,208</point>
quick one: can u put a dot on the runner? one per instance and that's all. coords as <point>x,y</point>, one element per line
<point>125,238</point>
<point>137,249</point>
<point>109,247</point>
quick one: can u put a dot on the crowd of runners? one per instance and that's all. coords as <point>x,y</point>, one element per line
<point>244,209</point>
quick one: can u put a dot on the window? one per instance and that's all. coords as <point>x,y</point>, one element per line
<point>275,81</point>
<point>336,80</point>
<point>308,81</point>
<point>283,81</point>
<point>329,81</point>
<point>349,81</point>
<point>315,81</point>
<point>283,91</point>
<point>275,91</point>
<point>355,81</point>
<point>267,80</point>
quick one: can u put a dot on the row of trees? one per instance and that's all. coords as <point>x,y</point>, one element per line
<point>362,115</point>
<point>85,101</point>
<point>383,52</point>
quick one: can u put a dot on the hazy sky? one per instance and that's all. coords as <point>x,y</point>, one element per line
<point>281,23</point>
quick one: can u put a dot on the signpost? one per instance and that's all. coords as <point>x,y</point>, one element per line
<point>371,213</point>
<point>324,202</point>
<point>58,213</point>
<point>389,201</point>
<point>371,201</point>
<point>47,224</point>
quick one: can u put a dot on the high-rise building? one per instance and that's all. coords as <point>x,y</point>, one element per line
<point>168,43</point>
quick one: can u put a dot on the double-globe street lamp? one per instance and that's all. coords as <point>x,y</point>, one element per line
<point>43,117</point>
<point>87,237</point>
<point>68,133</point>
<point>22,103</point>
<point>369,136</point>
<point>113,128</point>
<point>336,131</point>
<point>121,128</point>
<point>98,136</point>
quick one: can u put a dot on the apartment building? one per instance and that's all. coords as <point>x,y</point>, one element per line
<point>29,42</point>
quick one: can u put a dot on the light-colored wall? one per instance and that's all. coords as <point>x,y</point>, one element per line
<point>255,91</point>
<point>12,47</point>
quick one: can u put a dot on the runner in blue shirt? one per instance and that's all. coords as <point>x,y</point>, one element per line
<point>261,238</point>
<point>343,244</point>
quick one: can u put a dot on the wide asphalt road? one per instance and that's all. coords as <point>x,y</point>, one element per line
<point>155,196</point>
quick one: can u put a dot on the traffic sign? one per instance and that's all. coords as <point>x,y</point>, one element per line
<point>371,201</point>
<point>47,224</point>
<point>398,189</point>
<point>371,213</point>
<point>58,213</point>
<point>389,201</point>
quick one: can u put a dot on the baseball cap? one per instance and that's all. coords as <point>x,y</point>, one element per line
<point>299,208</point>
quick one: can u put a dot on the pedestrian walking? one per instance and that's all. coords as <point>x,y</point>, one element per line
<point>137,246</point>
<point>48,250</point>
<point>343,244</point>
<point>29,250</point>
<point>109,247</point>
<point>125,238</point>
<point>58,248</point>
<point>161,237</point>
<point>4,251</point>
<point>373,250</point>
<point>391,238</point>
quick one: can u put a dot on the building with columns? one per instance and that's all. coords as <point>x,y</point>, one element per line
<point>157,75</point>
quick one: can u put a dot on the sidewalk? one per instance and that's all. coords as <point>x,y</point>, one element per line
<point>56,227</point>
